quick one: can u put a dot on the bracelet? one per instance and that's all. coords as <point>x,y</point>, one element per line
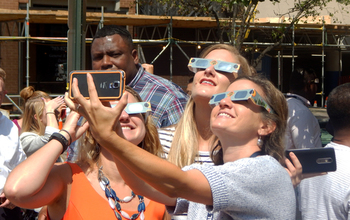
<point>60,138</point>
<point>70,140</point>
<point>51,113</point>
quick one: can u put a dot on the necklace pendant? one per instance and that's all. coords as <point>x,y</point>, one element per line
<point>108,193</point>
<point>113,194</point>
<point>127,199</point>
<point>103,187</point>
<point>117,206</point>
<point>124,214</point>
<point>111,203</point>
<point>134,216</point>
<point>142,215</point>
<point>141,207</point>
<point>117,215</point>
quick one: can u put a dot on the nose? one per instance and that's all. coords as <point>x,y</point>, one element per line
<point>226,103</point>
<point>210,70</point>
<point>124,117</point>
<point>106,62</point>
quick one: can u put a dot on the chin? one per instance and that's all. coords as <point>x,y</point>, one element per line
<point>218,127</point>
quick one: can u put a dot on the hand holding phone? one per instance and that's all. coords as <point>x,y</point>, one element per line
<point>315,160</point>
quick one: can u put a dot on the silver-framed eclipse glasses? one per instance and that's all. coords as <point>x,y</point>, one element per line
<point>241,95</point>
<point>195,64</point>
<point>136,107</point>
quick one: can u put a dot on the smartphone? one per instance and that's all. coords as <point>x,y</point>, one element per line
<point>110,84</point>
<point>315,160</point>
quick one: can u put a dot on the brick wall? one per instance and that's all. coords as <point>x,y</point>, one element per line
<point>9,50</point>
<point>130,4</point>
<point>9,4</point>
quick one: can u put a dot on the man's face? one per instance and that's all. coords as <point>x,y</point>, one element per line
<point>111,52</point>
<point>2,90</point>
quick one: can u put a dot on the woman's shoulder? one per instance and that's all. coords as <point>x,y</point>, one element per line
<point>28,134</point>
<point>264,163</point>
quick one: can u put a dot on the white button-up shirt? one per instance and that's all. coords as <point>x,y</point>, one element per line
<point>11,152</point>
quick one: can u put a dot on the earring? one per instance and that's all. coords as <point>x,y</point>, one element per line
<point>260,142</point>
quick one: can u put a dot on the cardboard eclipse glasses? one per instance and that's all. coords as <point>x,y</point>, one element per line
<point>195,64</point>
<point>241,95</point>
<point>136,107</point>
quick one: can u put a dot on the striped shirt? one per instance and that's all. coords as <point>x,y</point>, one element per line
<point>166,136</point>
<point>167,99</point>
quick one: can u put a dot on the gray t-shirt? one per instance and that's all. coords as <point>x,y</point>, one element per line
<point>249,188</point>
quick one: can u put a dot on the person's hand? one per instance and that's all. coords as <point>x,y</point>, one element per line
<point>72,127</point>
<point>148,67</point>
<point>103,120</point>
<point>295,170</point>
<point>5,203</point>
<point>43,213</point>
<point>61,111</point>
<point>54,104</point>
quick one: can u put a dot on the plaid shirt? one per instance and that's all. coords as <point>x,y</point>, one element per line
<point>167,99</point>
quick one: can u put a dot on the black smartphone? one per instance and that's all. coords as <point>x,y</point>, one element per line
<point>110,84</point>
<point>315,160</point>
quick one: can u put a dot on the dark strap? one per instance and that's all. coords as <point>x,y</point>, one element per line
<point>258,153</point>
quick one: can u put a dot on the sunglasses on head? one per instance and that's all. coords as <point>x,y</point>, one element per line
<point>241,95</point>
<point>200,63</point>
<point>136,107</point>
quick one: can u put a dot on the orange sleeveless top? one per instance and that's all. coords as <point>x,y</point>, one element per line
<point>85,203</point>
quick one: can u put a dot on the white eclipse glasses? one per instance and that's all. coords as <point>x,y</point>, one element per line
<point>136,107</point>
<point>195,64</point>
<point>241,95</point>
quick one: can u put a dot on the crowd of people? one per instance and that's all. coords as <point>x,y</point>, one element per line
<point>217,152</point>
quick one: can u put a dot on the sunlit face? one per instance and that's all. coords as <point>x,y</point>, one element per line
<point>239,118</point>
<point>208,82</point>
<point>133,125</point>
<point>111,52</point>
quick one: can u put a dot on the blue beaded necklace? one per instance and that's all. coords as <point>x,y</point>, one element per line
<point>114,201</point>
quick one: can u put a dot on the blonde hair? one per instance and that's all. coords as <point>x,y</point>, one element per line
<point>30,123</point>
<point>273,143</point>
<point>88,149</point>
<point>34,105</point>
<point>184,147</point>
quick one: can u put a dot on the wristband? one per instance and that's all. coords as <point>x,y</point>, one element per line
<point>70,137</point>
<point>60,138</point>
<point>50,113</point>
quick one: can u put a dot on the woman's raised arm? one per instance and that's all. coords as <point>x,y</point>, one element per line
<point>37,181</point>
<point>160,174</point>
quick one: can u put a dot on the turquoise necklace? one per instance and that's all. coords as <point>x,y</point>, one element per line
<point>114,201</point>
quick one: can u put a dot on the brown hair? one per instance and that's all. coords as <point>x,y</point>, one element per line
<point>29,92</point>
